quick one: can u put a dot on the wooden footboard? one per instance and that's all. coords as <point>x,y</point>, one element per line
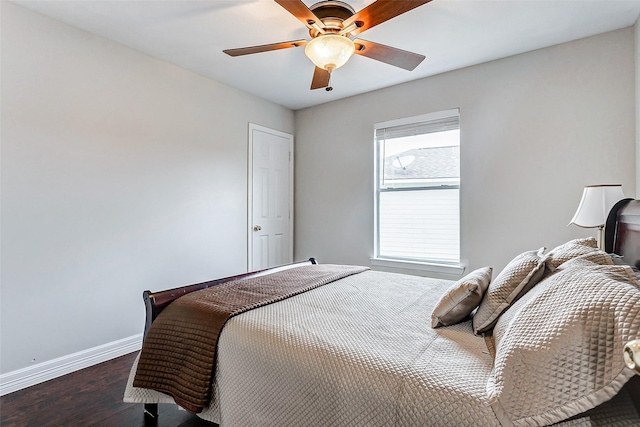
<point>155,302</point>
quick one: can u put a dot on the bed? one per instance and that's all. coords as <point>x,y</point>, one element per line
<point>543,347</point>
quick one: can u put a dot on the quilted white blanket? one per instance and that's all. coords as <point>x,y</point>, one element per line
<point>337,356</point>
<point>356,352</point>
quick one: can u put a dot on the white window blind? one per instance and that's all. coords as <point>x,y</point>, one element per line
<point>417,188</point>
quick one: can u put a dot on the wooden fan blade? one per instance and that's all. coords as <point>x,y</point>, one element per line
<point>378,12</point>
<point>303,13</point>
<point>388,55</point>
<point>264,48</point>
<point>320,78</point>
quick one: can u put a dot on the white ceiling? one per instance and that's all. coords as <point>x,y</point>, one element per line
<point>451,33</point>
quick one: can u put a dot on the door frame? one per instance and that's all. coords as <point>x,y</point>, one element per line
<point>252,127</point>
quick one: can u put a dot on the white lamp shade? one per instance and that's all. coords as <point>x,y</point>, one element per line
<point>329,51</point>
<point>597,201</point>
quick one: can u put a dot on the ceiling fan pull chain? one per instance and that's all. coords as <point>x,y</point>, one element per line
<point>329,88</point>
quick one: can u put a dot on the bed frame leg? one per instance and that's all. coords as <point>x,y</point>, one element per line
<point>151,410</point>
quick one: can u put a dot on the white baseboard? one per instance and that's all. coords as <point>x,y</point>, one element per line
<point>45,371</point>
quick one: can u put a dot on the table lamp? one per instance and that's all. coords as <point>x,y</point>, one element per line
<point>597,201</point>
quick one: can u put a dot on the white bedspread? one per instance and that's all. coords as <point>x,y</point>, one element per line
<point>356,352</point>
<point>336,356</point>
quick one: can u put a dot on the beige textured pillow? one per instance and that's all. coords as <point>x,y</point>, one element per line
<point>572,249</point>
<point>520,275</point>
<point>557,350</point>
<point>586,260</point>
<point>461,298</point>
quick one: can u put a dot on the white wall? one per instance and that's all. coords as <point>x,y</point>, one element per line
<point>535,128</point>
<point>119,173</point>
<point>637,54</point>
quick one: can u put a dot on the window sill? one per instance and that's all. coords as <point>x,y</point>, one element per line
<point>448,269</point>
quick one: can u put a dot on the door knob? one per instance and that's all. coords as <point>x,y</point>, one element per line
<point>257,228</point>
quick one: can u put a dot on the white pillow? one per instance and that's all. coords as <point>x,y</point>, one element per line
<point>461,298</point>
<point>520,275</point>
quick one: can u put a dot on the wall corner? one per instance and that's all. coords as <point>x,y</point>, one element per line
<point>637,59</point>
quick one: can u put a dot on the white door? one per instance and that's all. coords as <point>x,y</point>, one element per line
<point>270,198</point>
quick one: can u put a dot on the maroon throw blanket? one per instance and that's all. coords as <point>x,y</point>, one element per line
<point>178,354</point>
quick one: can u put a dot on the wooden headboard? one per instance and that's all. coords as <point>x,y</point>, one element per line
<point>622,237</point>
<point>622,231</point>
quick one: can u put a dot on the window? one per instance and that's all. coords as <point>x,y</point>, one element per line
<point>417,189</point>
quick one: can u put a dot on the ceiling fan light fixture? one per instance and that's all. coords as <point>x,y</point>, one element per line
<point>329,51</point>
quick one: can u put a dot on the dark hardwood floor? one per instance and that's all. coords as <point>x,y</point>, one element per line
<point>90,397</point>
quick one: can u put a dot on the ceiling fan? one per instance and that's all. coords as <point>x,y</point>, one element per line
<point>332,27</point>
